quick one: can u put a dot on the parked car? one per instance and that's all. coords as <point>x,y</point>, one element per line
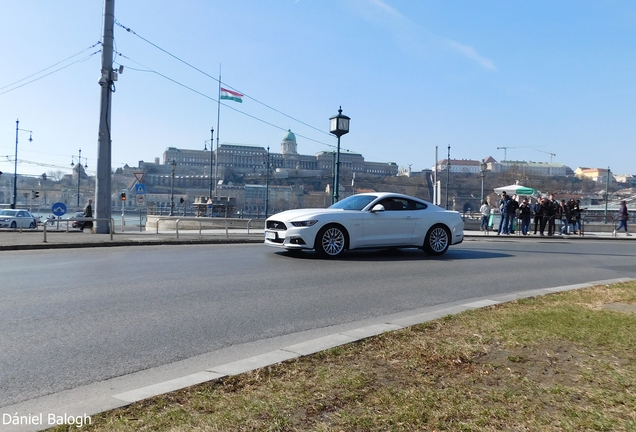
<point>78,224</point>
<point>17,218</point>
<point>368,220</point>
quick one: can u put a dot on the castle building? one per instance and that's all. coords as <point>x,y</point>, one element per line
<point>244,159</point>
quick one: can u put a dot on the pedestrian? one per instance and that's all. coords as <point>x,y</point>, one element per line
<point>513,207</point>
<point>524,215</point>
<point>572,216</point>
<point>577,216</point>
<point>485,216</point>
<point>564,216</point>
<point>623,217</point>
<point>537,213</point>
<point>88,213</point>
<point>505,217</point>
<point>551,211</point>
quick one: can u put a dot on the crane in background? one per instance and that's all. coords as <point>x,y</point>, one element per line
<point>506,148</point>
<point>551,154</point>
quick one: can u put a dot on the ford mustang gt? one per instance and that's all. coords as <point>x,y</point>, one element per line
<point>368,220</point>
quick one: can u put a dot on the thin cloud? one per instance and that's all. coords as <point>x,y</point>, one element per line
<point>410,36</point>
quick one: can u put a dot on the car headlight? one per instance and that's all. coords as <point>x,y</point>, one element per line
<point>304,223</point>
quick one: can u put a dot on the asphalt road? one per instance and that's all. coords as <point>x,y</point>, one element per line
<point>72,317</point>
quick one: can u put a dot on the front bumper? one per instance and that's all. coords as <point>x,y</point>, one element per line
<point>287,239</point>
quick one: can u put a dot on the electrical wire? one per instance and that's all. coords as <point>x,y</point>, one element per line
<point>149,70</point>
<point>50,73</point>
<point>129,30</point>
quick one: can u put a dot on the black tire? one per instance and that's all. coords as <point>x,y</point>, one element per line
<point>14,225</point>
<point>437,240</point>
<point>32,225</point>
<point>331,241</point>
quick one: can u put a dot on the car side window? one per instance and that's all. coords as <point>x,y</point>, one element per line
<point>21,214</point>
<point>414,205</point>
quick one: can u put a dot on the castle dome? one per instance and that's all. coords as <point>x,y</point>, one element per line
<point>289,136</point>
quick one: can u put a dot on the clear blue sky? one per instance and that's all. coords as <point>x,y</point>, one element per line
<point>537,77</point>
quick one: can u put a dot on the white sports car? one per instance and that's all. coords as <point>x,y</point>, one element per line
<point>368,220</point>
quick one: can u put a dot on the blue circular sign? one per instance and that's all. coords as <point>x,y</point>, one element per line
<point>58,209</point>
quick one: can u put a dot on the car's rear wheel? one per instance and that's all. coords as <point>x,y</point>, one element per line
<point>437,240</point>
<point>32,225</point>
<point>331,241</point>
<point>14,225</point>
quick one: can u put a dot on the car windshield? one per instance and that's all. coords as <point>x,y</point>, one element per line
<point>354,202</point>
<point>7,212</point>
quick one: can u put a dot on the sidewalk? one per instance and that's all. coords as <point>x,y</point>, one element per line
<point>15,240</point>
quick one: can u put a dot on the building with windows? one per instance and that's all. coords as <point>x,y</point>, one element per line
<point>522,167</point>
<point>242,159</point>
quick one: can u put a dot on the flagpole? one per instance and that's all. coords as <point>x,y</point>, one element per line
<point>218,121</point>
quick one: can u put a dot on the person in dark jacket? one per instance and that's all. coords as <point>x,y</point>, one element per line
<point>564,216</point>
<point>551,210</point>
<point>623,217</point>
<point>524,215</point>
<point>513,206</point>
<point>505,217</point>
<point>88,213</point>
<point>537,214</point>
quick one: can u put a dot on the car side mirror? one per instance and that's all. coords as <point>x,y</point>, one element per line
<point>377,208</point>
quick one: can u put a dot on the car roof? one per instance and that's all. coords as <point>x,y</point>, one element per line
<point>389,194</point>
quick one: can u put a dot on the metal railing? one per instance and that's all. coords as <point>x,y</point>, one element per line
<point>227,224</point>
<point>110,221</point>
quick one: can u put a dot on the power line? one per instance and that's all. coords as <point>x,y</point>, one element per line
<point>129,30</point>
<point>150,70</point>
<point>50,73</point>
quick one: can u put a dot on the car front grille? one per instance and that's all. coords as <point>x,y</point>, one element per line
<point>276,225</point>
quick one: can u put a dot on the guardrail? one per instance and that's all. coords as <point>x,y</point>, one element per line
<point>110,221</point>
<point>227,223</point>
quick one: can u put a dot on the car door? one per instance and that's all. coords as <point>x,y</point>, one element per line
<point>22,219</point>
<point>393,226</point>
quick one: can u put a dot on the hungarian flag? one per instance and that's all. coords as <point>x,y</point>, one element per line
<point>231,95</point>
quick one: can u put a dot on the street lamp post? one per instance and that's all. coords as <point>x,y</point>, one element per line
<point>607,180</point>
<point>15,169</point>
<point>79,172</point>
<point>483,166</point>
<point>267,184</point>
<point>338,125</point>
<point>174,167</point>
<point>448,165</point>
<point>205,148</point>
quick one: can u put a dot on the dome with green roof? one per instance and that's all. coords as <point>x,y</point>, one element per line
<point>289,136</point>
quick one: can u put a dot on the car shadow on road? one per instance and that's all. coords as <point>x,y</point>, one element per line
<point>396,255</point>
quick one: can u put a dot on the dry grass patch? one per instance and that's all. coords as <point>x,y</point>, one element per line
<point>555,363</point>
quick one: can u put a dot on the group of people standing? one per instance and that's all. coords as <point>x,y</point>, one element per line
<point>545,212</point>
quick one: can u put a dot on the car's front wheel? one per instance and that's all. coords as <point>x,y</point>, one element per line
<point>331,241</point>
<point>437,240</point>
<point>14,225</point>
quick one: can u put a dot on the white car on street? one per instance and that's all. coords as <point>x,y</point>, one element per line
<point>16,218</point>
<point>368,220</point>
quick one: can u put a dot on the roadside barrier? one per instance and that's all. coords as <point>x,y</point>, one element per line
<point>226,224</point>
<point>110,221</point>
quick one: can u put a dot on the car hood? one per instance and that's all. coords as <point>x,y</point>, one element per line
<point>299,214</point>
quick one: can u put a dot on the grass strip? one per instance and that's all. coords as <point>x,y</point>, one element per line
<point>560,362</point>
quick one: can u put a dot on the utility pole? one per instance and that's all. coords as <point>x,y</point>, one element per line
<point>103,182</point>
<point>607,180</point>
<point>448,165</point>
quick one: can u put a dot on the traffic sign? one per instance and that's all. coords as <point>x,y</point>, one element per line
<point>58,209</point>
<point>139,176</point>
<point>140,199</point>
<point>140,189</point>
